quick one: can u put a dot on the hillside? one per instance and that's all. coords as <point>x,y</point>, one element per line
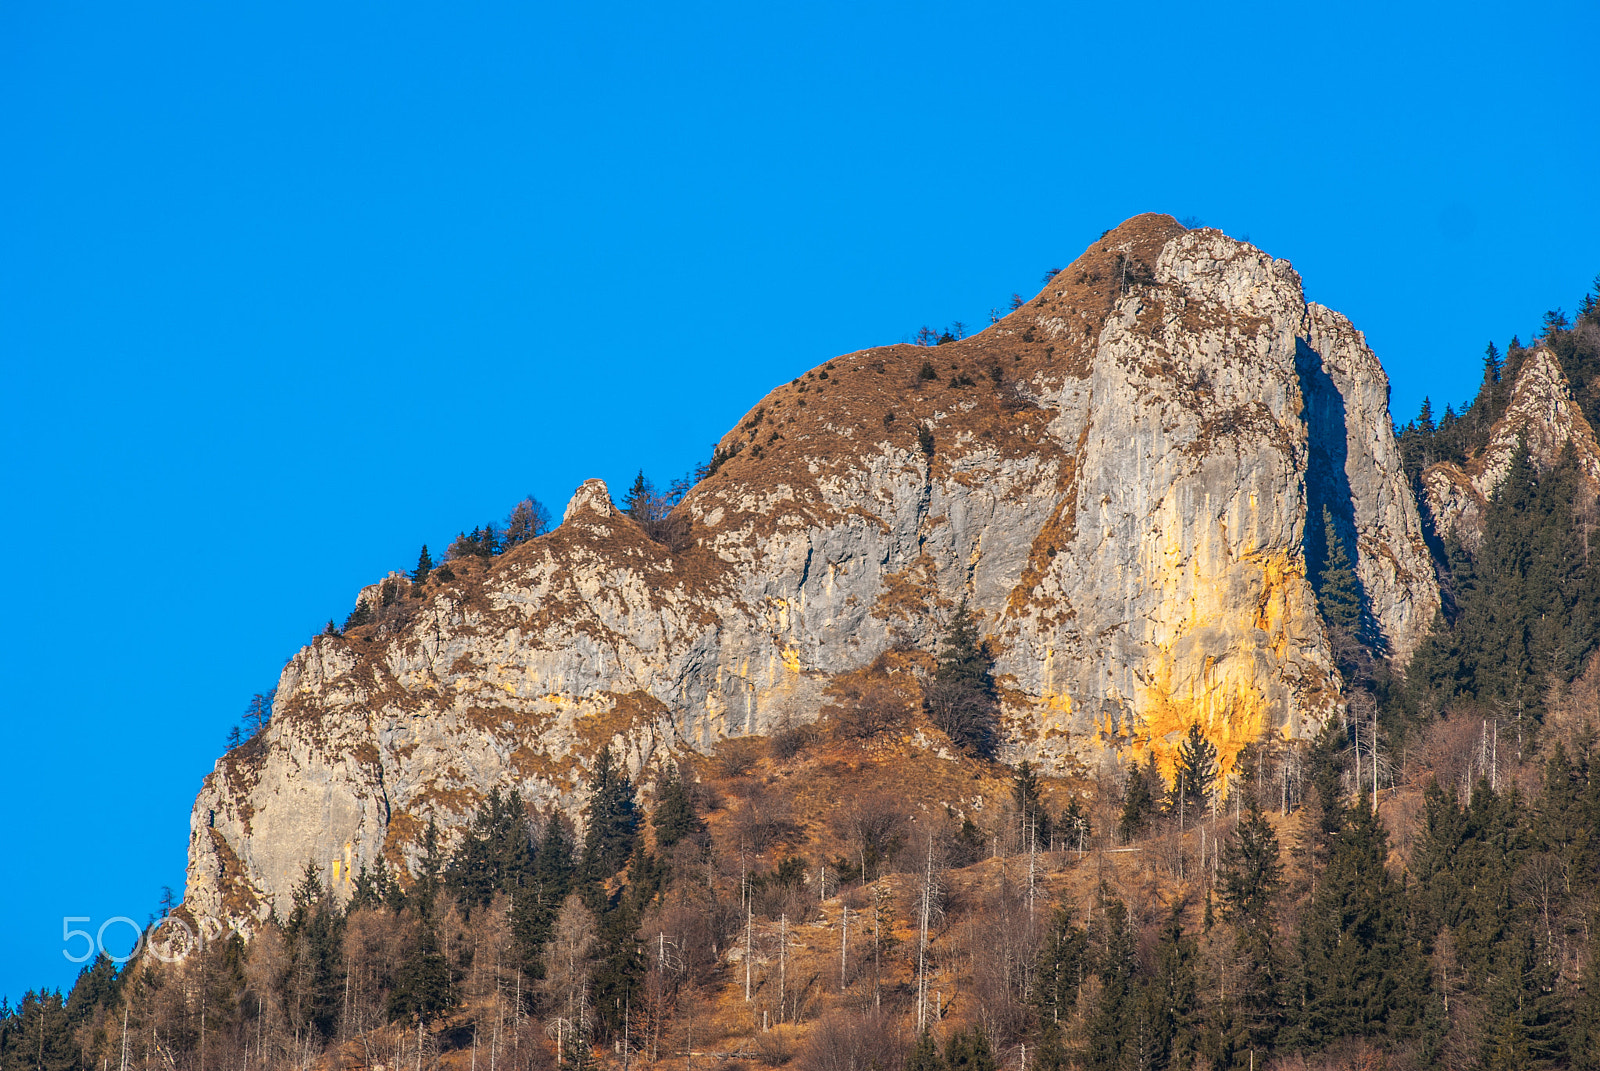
<point>1117,687</point>
<point>1115,479</point>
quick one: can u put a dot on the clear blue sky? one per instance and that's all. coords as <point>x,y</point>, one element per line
<point>288,289</point>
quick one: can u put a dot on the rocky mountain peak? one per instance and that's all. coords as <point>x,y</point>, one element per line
<point>1116,479</point>
<point>1540,414</point>
<point>591,500</point>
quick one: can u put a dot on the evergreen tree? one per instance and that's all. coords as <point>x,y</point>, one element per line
<point>1196,778</point>
<point>495,854</point>
<point>419,575</point>
<point>611,819</point>
<point>1361,973</point>
<point>1140,790</point>
<point>426,889</point>
<point>422,984</point>
<point>1114,1022</point>
<point>313,940</point>
<point>961,698</point>
<point>1250,877</point>
<point>1031,812</point>
<point>1061,966</point>
<point>925,1055</point>
<point>361,615</point>
<point>1338,590</point>
<point>968,1050</point>
<point>640,502</point>
<point>38,1035</point>
<point>675,818</point>
<point>1171,999</point>
<point>533,914</point>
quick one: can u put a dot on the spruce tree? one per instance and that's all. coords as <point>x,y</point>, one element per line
<point>968,1050</point>
<point>1361,972</point>
<point>1250,876</point>
<point>1338,590</point>
<point>495,854</point>
<point>1061,966</point>
<point>641,498</point>
<point>1196,778</point>
<point>925,1055</point>
<point>419,575</point>
<point>962,699</point>
<point>1115,1020</point>
<point>313,941</point>
<point>675,818</point>
<point>361,615</point>
<point>611,819</point>
<point>533,914</point>
<point>1140,790</point>
<point>1034,818</point>
<point>422,984</point>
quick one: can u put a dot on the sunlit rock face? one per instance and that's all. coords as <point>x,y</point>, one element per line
<point>1116,479</point>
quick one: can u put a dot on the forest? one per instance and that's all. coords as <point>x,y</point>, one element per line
<point>1419,886</point>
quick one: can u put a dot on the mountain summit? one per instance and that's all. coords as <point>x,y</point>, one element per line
<point>1127,482</point>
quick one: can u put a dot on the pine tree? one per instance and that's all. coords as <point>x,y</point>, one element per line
<point>1361,973</point>
<point>1196,778</point>
<point>1250,876</point>
<point>1061,966</point>
<point>1031,811</point>
<point>419,575</point>
<point>675,818</point>
<point>611,820</point>
<point>361,615</point>
<point>1338,590</point>
<point>961,699</point>
<point>1139,793</point>
<point>968,1050</point>
<point>925,1055</point>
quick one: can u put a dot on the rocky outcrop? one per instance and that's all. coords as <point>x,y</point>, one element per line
<point>1542,415</point>
<point>1116,479</point>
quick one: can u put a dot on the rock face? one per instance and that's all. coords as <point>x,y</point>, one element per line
<point>1116,479</point>
<point>1541,414</point>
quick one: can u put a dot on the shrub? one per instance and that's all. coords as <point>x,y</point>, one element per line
<point>925,440</point>
<point>786,743</point>
<point>867,710</point>
<point>927,371</point>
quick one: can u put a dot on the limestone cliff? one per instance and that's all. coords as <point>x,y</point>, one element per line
<point>1541,414</point>
<point>1119,482</point>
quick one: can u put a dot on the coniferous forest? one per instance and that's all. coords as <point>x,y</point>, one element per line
<point>1417,887</point>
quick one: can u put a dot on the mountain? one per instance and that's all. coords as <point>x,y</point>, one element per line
<point>1124,481</point>
<point>1541,416</point>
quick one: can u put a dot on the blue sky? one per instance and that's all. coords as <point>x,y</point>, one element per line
<point>287,290</point>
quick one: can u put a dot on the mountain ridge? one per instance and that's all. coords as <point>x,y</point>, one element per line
<point>1116,477</point>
